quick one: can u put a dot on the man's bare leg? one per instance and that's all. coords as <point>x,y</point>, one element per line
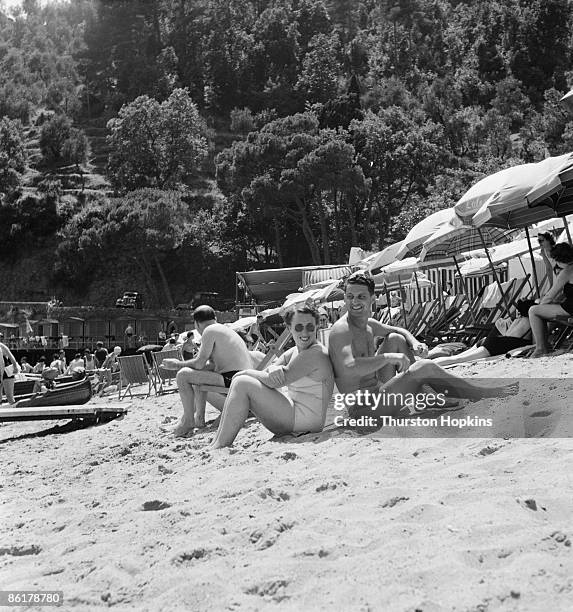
<point>186,378</point>
<point>393,343</point>
<point>427,373</point>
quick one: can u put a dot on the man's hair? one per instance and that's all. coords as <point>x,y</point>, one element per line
<point>99,343</point>
<point>523,306</point>
<point>289,314</point>
<point>359,278</point>
<point>562,252</point>
<point>24,358</point>
<point>202,314</point>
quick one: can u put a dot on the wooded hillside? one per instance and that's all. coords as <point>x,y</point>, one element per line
<point>160,146</point>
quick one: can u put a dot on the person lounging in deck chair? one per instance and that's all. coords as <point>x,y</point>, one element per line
<point>518,334</point>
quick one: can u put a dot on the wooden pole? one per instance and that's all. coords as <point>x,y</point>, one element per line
<point>403,307</point>
<point>504,297</point>
<point>566,226</point>
<point>535,279</point>
<point>464,288</point>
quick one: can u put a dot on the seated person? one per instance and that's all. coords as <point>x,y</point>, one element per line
<point>189,347</point>
<point>171,343</point>
<point>547,242</point>
<point>221,356</point>
<point>392,368</point>
<point>58,362</point>
<point>89,361</point>
<point>25,366</point>
<point>557,302</point>
<point>77,365</point>
<point>305,370</point>
<point>109,367</point>
<point>46,383</point>
<point>496,343</point>
<point>39,367</point>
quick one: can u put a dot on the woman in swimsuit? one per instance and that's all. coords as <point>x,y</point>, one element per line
<point>557,302</point>
<point>305,370</point>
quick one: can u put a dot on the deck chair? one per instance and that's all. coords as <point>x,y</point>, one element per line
<point>95,412</point>
<point>275,349</point>
<point>134,371</point>
<point>164,377</point>
<point>440,323</point>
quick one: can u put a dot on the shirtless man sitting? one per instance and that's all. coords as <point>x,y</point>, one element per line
<point>357,367</point>
<point>222,354</point>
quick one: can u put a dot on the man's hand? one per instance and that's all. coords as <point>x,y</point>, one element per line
<point>420,349</point>
<point>171,364</point>
<point>399,360</point>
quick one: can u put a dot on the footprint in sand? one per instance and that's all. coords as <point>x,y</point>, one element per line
<point>154,505</point>
<point>270,588</point>
<point>390,503</point>
<point>269,493</point>
<point>185,558</point>
<point>21,551</point>
<point>541,413</point>
<point>289,456</point>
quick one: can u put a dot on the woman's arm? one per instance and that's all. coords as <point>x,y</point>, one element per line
<point>8,353</point>
<point>303,364</point>
<point>557,287</point>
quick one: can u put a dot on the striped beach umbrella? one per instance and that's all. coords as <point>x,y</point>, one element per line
<point>453,239</point>
<point>412,244</point>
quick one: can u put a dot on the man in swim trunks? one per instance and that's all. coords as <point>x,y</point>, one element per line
<point>222,354</point>
<point>358,367</point>
<point>352,341</point>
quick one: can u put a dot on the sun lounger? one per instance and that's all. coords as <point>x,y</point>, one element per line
<point>94,412</point>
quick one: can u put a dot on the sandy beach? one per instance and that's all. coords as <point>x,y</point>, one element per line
<point>122,515</point>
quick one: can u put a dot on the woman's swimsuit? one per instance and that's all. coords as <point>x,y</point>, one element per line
<point>310,398</point>
<point>567,304</point>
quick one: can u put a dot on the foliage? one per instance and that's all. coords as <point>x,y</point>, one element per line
<point>155,144</point>
<point>12,156</point>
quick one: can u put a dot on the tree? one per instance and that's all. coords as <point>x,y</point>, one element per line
<point>53,135</point>
<point>12,156</point>
<point>318,79</point>
<point>155,144</point>
<point>400,153</point>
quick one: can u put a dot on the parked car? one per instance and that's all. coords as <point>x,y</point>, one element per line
<point>130,299</point>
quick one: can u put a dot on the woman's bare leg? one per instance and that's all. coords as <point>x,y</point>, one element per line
<point>475,352</point>
<point>272,408</point>
<point>537,317</point>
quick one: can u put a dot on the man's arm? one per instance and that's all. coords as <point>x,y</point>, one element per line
<point>207,345</point>
<point>380,329</point>
<point>344,362</point>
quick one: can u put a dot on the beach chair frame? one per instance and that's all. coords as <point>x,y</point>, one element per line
<point>164,377</point>
<point>134,370</point>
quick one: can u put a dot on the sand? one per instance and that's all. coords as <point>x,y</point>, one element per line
<point>122,515</point>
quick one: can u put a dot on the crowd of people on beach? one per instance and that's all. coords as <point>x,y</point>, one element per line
<point>291,394</point>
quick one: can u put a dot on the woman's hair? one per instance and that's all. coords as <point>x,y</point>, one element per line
<point>548,236</point>
<point>562,253</point>
<point>289,314</point>
<point>523,306</point>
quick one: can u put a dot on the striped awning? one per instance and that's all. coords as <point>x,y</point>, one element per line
<point>311,277</point>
